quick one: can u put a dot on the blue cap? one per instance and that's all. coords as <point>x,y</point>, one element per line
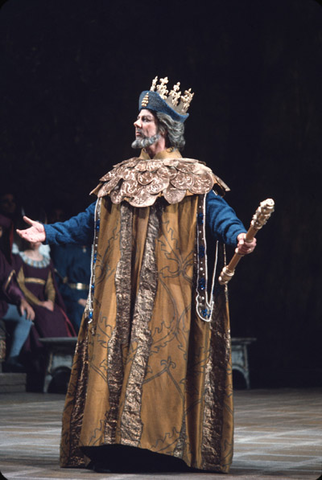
<point>152,101</point>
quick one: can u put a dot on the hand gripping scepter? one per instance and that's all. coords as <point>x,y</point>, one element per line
<point>262,214</point>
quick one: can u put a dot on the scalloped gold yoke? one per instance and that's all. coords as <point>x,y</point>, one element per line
<point>141,180</point>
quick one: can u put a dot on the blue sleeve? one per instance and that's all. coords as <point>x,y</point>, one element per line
<point>222,220</point>
<point>78,229</point>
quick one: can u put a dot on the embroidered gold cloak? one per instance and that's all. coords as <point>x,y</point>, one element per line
<point>148,371</point>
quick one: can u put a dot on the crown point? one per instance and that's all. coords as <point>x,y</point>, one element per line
<point>154,82</point>
<point>186,100</point>
<point>175,99</point>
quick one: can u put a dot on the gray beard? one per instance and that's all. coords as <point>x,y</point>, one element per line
<point>143,142</point>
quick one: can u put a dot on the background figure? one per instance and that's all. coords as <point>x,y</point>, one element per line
<point>11,217</point>
<point>73,267</point>
<point>8,205</point>
<point>6,236</point>
<point>16,312</point>
<point>56,213</point>
<point>35,275</point>
<point>14,309</point>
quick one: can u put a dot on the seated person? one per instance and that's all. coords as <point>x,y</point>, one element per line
<point>35,275</point>
<point>14,309</point>
<point>73,269</point>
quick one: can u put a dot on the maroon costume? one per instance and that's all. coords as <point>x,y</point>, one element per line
<point>37,281</point>
<point>10,292</point>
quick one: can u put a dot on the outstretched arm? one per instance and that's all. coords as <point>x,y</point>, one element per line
<point>78,229</point>
<point>35,233</point>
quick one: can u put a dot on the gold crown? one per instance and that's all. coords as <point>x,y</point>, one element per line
<point>173,97</point>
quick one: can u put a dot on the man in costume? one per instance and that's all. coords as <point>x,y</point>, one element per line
<point>151,377</point>
<point>73,270</point>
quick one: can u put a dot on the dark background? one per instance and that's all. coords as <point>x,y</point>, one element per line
<point>71,74</point>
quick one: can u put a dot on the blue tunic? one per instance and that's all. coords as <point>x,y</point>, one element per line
<point>221,221</point>
<point>73,269</point>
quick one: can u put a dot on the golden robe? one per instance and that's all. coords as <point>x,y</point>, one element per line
<point>149,371</point>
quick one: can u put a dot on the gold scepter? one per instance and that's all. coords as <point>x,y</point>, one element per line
<point>262,214</point>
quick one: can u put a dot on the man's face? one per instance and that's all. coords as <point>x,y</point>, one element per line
<point>146,124</point>
<point>7,204</point>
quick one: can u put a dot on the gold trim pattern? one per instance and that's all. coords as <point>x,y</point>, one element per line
<point>141,338</point>
<point>39,281</point>
<point>11,274</point>
<point>121,331</point>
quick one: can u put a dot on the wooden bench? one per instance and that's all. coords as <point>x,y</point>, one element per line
<point>61,351</point>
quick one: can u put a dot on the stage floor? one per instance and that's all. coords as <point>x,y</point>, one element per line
<point>278,435</point>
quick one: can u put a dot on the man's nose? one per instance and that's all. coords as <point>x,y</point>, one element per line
<point>137,123</point>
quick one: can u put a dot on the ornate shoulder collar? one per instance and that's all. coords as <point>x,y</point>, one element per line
<point>141,181</point>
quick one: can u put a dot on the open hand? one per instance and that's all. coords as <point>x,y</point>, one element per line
<point>35,233</point>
